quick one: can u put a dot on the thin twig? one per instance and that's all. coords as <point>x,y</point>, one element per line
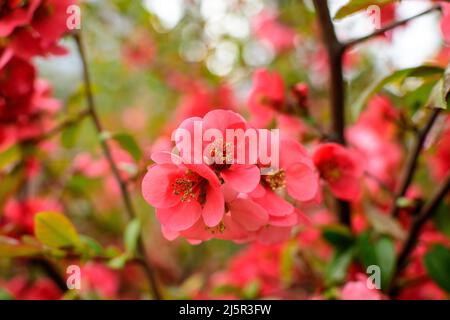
<point>335,52</point>
<point>410,168</point>
<point>427,212</point>
<point>389,27</point>
<point>108,154</point>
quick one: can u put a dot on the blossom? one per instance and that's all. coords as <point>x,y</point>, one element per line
<point>33,27</point>
<point>266,97</point>
<point>339,167</point>
<point>358,290</point>
<point>182,193</point>
<point>267,28</point>
<point>445,21</point>
<point>41,289</point>
<point>439,161</point>
<point>20,214</point>
<point>16,89</point>
<point>99,279</point>
<point>210,191</point>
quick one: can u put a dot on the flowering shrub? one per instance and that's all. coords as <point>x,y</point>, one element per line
<point>236,150</point>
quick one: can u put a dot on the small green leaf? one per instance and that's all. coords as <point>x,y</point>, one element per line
<point>398,77</point>
<point>437,264</point>
<point>288,262</point>
<point>446,87</point>
<point>90,246</point>
<point>69,136</point>
<point>366,250</point>
<point>353,6</point>
<point>131,236</point>
<point>9,156</point>
<point>128,143</point>
<point>55,230</point>
<point>119,261</point>
<point>4,295</point>
<point>442,219</point>
<point>337,269</point>
<point>11,248</point>
<point>251,290</point>
<point>338,236</point>
<point>436,98</point>
<point>385,224</point>
<point>385,259</point>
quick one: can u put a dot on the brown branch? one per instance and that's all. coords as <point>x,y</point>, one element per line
<point>427,212</point>
<point>129,208</point>
<point>335,51</point>
<point>51,271</point>
<point>389,27</point>
<point>411,165</point>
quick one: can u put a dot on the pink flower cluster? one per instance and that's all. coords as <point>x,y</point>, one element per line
<point>229,201</point>
<point>27,29</point>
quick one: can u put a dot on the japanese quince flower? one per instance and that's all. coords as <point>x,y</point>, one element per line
<point>266,97</point>
<point>32,27</point>
<point>339,167</point>
<point>227,199</point>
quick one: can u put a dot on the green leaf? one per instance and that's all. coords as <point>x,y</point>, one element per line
<point>90,246</point>
<point>446,87</point>
<point>9,156</point>
<point>251,290</point>
<point>11,248</point>
<point>128,143</point>
<point>385,224</point>
<point>69,136</point>
<point>119,261</point>
<point>338,236</point>
<point>442,219</point>
<point>337,269</point>
<point>55,230</point>
<point>385,259</point>
<point>436,99</point>
<point>354,6</point>
<point>366,250</point>
<point>398,77</point>
<point>131,236</point>
<point>288,262</point>
<point>437,264</point>
<point>4,295</point>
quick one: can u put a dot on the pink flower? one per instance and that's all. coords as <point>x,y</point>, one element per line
<point>21,214</point>
<point>266,97</point>
<point>445,21</point>
<point>34,27</point>
<point>339,167</point>
<point>183,193</point>
<point>16,89</point>
<point>267,28</point>
<point>99,279</point>
<point>439,162</point>
<point>41,289</point>
<point>358,290</point>
<point>222,194</point>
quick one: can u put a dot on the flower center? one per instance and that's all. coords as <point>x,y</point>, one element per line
<point>330,172</point>
<point>220,154</point>
<point>276,180</point>
<point>220,228</point>
<point>189,187</point>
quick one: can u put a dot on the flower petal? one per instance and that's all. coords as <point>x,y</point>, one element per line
<point>214,207</point>
<point>302,182</point>
<point>156,186</point>
<point>248,214</point>
<point>242,178</point>
<point>180,217</point>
